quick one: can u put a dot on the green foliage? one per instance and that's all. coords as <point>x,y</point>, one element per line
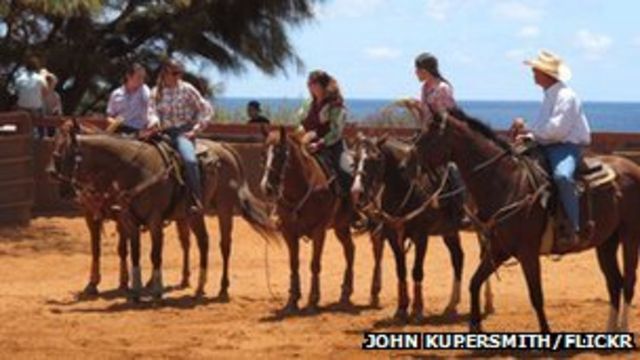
<point>88,43</point>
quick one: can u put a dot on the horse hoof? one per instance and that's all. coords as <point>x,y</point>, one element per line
<point>475,328</point>
<point>184,284</point>
<point>91,290</point>
<point>199,293</point>
<point>374,302</point>
<point>312,309</point>
<point>489,309</point>
<point>417,317</point>
<point>401,315</point>
<point>223,297</point>
<point>450,310</point>
<point>289,309</point>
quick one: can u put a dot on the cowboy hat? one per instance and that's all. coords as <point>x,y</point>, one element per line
<point>550,64</point>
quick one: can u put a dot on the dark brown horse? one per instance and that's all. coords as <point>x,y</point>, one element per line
<point>510,210</point>
<point>411,210</point>
<point>307,207</point>
<point>131,182</point>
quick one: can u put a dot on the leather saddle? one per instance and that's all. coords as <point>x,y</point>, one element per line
<point>592,175</point>
<point>173,160</point>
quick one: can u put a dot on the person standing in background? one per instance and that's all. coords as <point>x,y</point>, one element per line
<point>254,111</point>
<point>51,102</point>
<point>31,89</point>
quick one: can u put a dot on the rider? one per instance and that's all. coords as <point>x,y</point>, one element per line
<point>437,95</point>
<point>128,107</point>
<point>322,118</point>
<point>179,109</point>
<point>562,129</point>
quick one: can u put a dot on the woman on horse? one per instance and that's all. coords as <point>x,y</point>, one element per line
<point>179,109</point>
<point>128,107</point>
<point>322,119</point>
<point>437,92</point>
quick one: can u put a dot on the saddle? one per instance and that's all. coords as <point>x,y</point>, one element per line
<point>592,175</point>
<point>173,161</point>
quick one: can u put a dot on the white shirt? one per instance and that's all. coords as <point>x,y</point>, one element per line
<point>30,86</point>
<point>561,118</point>
<point>132,107</point>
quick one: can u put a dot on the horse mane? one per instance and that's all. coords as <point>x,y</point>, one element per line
<point>480,127</point>
<point>311,167</point>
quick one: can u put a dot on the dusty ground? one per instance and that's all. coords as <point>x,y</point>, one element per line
<point>42,268</point>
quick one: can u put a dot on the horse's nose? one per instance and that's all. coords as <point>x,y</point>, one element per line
<point>355,195</point>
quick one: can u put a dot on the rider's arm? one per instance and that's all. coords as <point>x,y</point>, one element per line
<point>557,126</point>
<point>301,114</point>
<point>204,110</point>
<point>337,117</point>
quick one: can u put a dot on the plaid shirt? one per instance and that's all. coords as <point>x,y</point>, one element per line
<point>439,97</point>
<point>179,105</point>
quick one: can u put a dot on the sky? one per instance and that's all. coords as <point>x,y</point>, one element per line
<point>370,46</point>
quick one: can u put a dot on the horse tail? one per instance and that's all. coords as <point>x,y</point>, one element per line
<point>253,210</point>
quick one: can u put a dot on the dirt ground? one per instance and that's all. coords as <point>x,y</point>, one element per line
<point>43,267</point>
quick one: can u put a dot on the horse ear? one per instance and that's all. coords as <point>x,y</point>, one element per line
<point>283,133</point>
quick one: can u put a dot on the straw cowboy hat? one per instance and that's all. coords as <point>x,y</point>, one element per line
<point>550,64</point>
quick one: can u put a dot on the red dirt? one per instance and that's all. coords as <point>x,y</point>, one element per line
<point>44,265</point>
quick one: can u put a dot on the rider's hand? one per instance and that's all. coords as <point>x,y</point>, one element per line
<point>190,135</point>
<point>314,147</point>
<point>522,138</point>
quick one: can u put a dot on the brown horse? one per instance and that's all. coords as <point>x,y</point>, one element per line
<point>307,207</point>
<point>131,182</point>
<point>512,214</point>
<point>385,193</point>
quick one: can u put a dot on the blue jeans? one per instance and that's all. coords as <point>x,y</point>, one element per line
<point>564,159</point>
<point>187,151</point>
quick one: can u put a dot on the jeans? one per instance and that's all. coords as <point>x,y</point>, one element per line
<point>564,159</point>
<point>187,150</point>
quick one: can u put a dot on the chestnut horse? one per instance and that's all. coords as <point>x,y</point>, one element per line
<point>306,207</point>
<point>130,181</point>
<point>513,214</point>
<point>383,190</point>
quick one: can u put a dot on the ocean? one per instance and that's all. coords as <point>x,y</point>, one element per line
<point>603,116</point>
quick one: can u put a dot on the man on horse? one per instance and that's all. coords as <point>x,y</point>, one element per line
<point>562,129</point>
<point>128,107</point>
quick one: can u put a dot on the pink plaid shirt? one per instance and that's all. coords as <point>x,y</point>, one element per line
<point>438,97</point>
<point>179,105</point>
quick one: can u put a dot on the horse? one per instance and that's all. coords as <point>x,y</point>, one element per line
<point>132,182</point>
<point>307,207</point>
<point>513,213</point>
<point>403,210</point>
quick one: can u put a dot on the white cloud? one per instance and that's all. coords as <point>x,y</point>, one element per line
<point>439,9</point>
<point>382,53</point>
<point>592,44</point>
<point>349,8</point>
<point>529,32</point>
<point>516,10</point>
<point>518,54</point>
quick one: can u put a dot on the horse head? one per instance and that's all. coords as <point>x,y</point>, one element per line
<point>368,170</point>
<point>277,151</point>
<point>65,157</point>
<point>433,145</point>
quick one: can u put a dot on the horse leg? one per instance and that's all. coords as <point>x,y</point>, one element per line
<point>122,253</point>
<point>202,236</point>
<point>157,240</point>
<point>609,266</point>
<point>344,235</point>
<point>94,279</point>
<point>531,268</point>
<point>316,267</point>
<point>630,256</point>
<point>420,242</point>
<point>293,245</point>
<point>401,273</point>
<point>136,274</point>
<point>452,241</point>
<point>487,266</point>
<point>182,227</point>
<point>377,243</point>
<point>225,219</point>
<point>488,293</point>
